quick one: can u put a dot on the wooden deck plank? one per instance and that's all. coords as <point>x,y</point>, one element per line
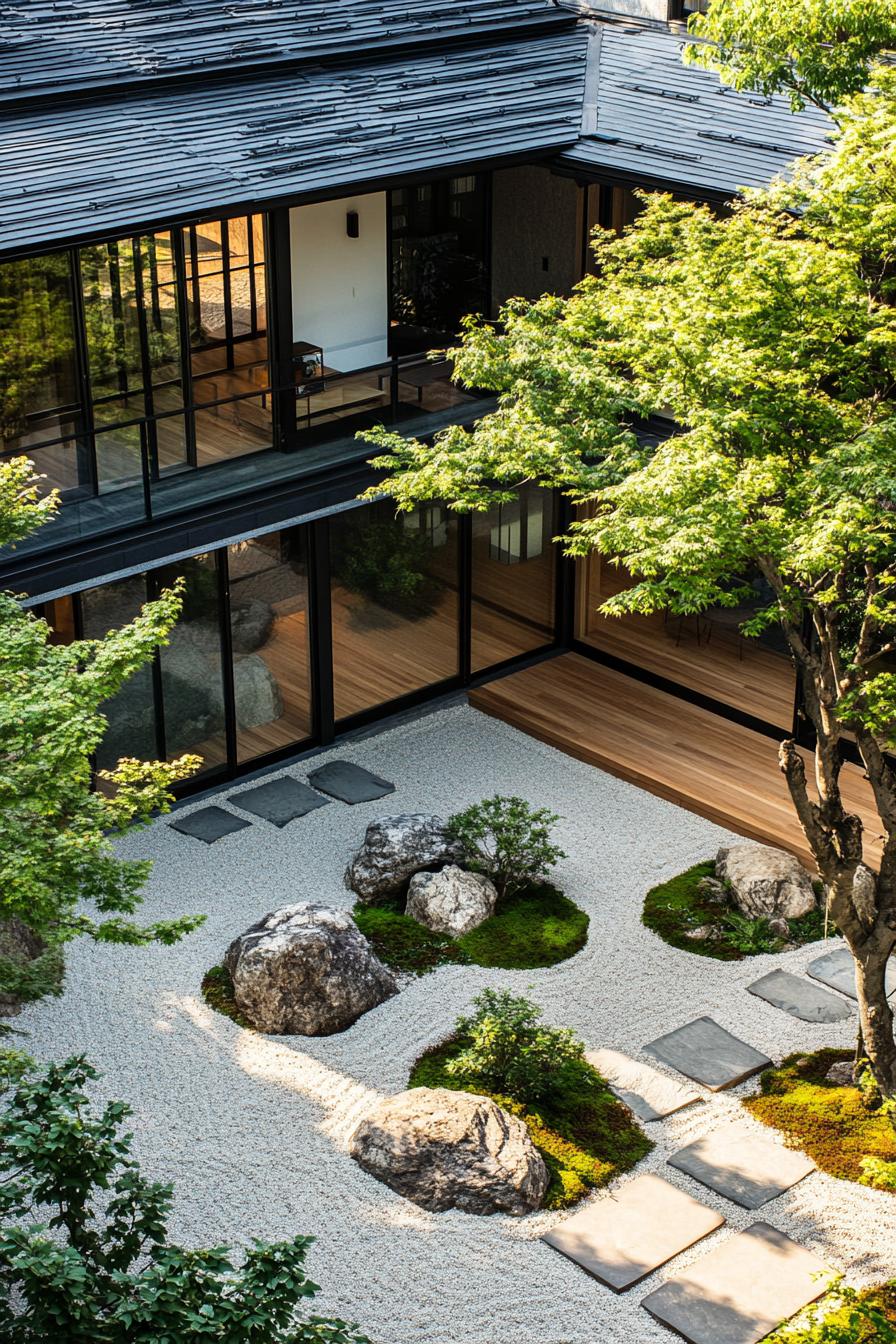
<point>669,747</point>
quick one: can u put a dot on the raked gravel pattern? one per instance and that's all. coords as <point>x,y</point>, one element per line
<point>253,1130</point>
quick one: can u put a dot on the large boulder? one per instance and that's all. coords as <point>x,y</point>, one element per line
<point>451,901</point>
<point>256,692</point>
<point>765,881</point>
<point>251,623</point>
<point>394,849</point>
<point>306,970</point>
<point>445,1150</point>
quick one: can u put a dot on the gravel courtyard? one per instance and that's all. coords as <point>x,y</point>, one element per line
<point>253,1130</point>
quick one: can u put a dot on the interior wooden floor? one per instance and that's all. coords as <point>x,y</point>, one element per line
<point>665,745</point>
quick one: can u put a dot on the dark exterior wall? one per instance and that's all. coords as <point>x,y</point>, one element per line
<point>535,216</point>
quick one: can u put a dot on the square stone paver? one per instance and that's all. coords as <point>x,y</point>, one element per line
<point>624,1237</point>
<point>349,783</point>
<point>279,801</point>
<point>838,970</point>
<point>209,824</point>
<point>709,1054</point>
<point>739,1292</point>
<point>650,1094</point>
<point>746,1168</point>
<point>795,995</point>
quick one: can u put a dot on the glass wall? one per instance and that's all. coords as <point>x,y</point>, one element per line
<point>514,578</point>
<point>705,652</point>
<point>269,638</point>
<point>133,728</point>
<point>394,599</point>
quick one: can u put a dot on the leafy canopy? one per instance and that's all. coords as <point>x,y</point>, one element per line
<point>817,51</point>
<point>97,1266</point>
<point>55,832</point>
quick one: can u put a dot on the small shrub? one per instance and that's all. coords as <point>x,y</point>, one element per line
<point>835,1125</point>
<point>845,1317</point>
<point>509,1051</point>
<point>507,840</point>
<point>750,936</point>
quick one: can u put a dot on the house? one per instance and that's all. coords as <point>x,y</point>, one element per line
<point>231,234</point>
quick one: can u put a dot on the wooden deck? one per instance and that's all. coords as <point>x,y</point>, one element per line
<point>665,745</point>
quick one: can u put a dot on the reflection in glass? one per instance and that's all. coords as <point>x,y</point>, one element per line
<point>131,713</point>
<point>192,666</point>
<point>269,640</point>
<point>38,355</point>
<point>514,569</point>
<point>706,652</point>
<point>395,603</point>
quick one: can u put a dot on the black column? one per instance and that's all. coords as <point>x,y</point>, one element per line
<point>279,300</point>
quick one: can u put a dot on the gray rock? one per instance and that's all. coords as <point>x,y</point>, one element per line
<point>257,694</point>
<point>451,901</point>
<point>765,881</point>
<point>250,625</point>
<point>841,1074</point>
<point>306,969</point>
<point>702,931</point>
<point>445,1150</point>
<point>394,849</point>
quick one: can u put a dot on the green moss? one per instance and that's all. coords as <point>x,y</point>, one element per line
<point>217,990</point>
<point>835,1125</point>
<point>675,907</point>
<point>401,942</point>
<point>538,926</point>
<point>868,1317</point>
<point>584,1134</point>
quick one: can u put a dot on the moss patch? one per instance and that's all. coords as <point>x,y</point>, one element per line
<point>676,907</point>
<point>538,926</point>
<point>854,1320</point>
<point>835,1125</point>
<point>584,1134</point>
<point>217,990</point>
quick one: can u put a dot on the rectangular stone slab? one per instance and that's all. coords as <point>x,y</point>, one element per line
<point>209,824</point>
<point>709,1054</point>
<point>749,1169</point>
<point>279,801</point>
<point>646,1092</point>
<point>349,783</point>
<point>624,1237</point>
<point>795,995</point>
<point>838,970</point>
<point>739,1292</point>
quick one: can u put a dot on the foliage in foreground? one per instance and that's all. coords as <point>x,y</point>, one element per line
<point>674,907</point>
<point>55,832</point>
<point>839,1127</point>
<point>584,1134</point>
<point>97,1265</point>
<point>537,926</point>
<point>507,840</point>
<point>845,1316</point>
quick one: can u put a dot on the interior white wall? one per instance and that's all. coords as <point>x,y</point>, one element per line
<point>340,296</point>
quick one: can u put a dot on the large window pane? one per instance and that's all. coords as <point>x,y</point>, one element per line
<point>131,713</point>
<point>37,358</point>
<point>514,562</point>
<point>395,604</point>
<point>192,666</point>
<point>705,652</point>
<point>269,639</point>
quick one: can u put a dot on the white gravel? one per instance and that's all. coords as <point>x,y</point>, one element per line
<point>253,1130</point>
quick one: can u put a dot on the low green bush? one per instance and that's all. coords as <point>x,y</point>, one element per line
<point>675,908</point>
<point>585,1135</point>
<point>536,926</point>
<point>845,1317</point>
<point>839,1127</point>
<point>507,840</point>
<point>508,1050</point>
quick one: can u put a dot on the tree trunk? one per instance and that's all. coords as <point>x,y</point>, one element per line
<point>875,1013</point>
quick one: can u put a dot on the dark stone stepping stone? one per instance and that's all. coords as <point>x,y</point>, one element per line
<point>799,997</point>
<point>349,783</point>
<point>646,1091</point>
<point>279,801</point>
<point>739,1292</point>
<point>709,1054</point>
<point>624,1237</point>
<point>748,1169</point>
<point>838,970</point>
<point>209,824</point>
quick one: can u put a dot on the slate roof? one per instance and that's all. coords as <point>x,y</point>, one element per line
<point>49,47</point>
<point>648,115</point>
<point>105,167</point>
